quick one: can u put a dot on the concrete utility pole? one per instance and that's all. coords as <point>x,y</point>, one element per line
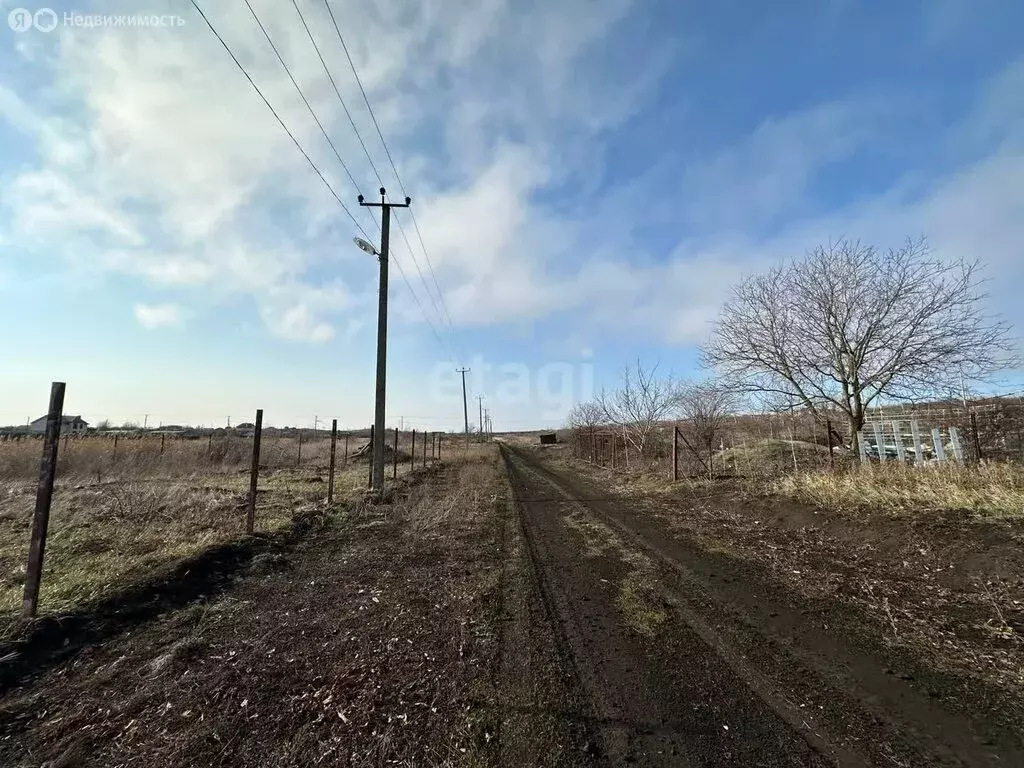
<point>480,424</point>
<point>465,408</point>
<point>377,475</point>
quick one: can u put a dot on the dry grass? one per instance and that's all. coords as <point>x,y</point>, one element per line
<point>992,490</point>
<point>98,459</point>
<point>116,517</point>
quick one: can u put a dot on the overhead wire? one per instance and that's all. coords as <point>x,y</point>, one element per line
<point>273,111</point>
<point>394,168</point>
<point>305,154</point>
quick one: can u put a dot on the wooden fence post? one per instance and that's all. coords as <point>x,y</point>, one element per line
<point>369,481</point>
<point>831,455</point>
<point>254,476</point>
<point>334,448</point>
<point>209,443</point>
<point>44,498</point>
<point>439,434</point>
<point>675,453</point>
<point>298,461</point>
<point>412,453</point>
<point>344,461</point>
<point>163,440</point>
<point>974,433</point>
<point>424,449</point>
<point>114,456</point>
<point>394,458</point>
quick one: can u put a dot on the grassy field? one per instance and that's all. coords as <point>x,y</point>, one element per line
<point>120,515</point>
<point>802,471</point>
<point>990,490</point>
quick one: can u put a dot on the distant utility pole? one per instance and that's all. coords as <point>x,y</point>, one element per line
<point>480,424</point>
<point>377,475</point>
<point>487,422</point>
<point>465,408</point>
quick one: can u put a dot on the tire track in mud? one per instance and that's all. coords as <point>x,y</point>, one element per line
<point>778,651</point>
<point>657,692</point>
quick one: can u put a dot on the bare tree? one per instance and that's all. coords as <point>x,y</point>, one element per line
<point>848,325</point>
<point>583,419</point>
<point>705,408</point>
<point>585,415</point>
<point>641,401</point>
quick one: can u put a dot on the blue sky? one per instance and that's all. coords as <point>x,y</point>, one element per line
<point>589,177</point>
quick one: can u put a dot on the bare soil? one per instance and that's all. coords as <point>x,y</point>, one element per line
<point>367,642</point>
<point>817,671</point>
<point>514,610</point>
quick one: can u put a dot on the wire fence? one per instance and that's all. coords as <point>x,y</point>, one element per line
<point>114,507</point>
<point>770,444</point>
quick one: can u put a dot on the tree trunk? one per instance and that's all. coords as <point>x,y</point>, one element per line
<point>856,423</point>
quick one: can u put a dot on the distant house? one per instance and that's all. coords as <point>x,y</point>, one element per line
<point>70,425</point>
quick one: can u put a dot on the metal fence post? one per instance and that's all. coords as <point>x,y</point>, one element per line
<point>394,458</point>
<point>254,476</point>
<point>675,453</point>
<point>879,440</point>
<point>344,461</point>
<point>915,435</point>
<point>334,447</point>
<point>44,499</point>
<point>958,448</point>
<point>412,453</point>
<point>940,451</point>
<point>897,434</point>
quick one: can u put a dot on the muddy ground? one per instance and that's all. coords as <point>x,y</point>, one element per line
<point>513,610</point>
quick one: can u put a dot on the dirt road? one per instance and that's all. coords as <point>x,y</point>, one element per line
<point>494,612</point>
<point>689,657</point>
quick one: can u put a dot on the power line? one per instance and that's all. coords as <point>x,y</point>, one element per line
<point>337,91</point>
<point>369,158</point>
<point>394,168</point>
<point>309,160</point>
<point>273,111</point>
<point>302,95</point>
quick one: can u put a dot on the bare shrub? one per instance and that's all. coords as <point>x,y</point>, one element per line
<point>642,400</point>
<point>705,408</point>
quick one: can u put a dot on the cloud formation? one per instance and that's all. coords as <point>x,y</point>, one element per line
<point>155,160</point>
<point>154,316</point>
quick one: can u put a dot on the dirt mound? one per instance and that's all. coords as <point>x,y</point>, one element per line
<point>365,452</point>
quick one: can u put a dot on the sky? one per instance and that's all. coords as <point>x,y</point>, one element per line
<point>588,179</point>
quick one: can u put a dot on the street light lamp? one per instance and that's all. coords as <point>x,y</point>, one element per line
<point>366,246</point>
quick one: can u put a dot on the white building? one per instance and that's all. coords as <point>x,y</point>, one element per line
<point>70,425</point>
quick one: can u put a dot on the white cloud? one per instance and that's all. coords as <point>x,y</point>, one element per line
<point>153,316</point>
<point>156,160</point>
